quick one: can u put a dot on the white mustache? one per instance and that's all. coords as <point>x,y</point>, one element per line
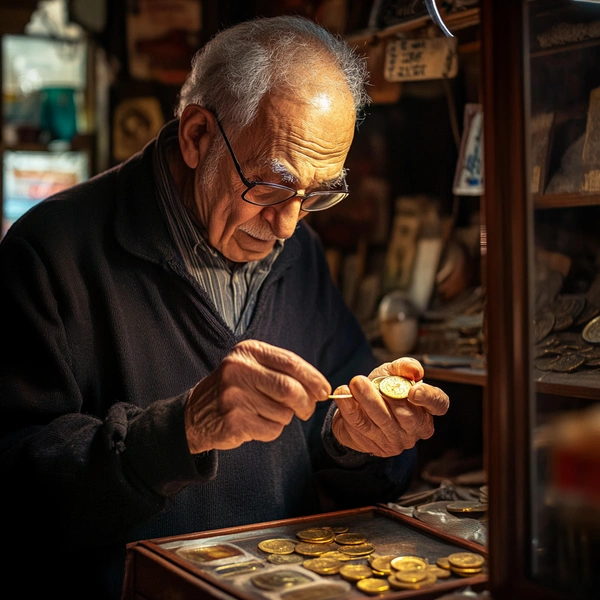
<point>259,231</point>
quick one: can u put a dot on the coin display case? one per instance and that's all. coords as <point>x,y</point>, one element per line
<point>228,564</point>
<point>541,90</point>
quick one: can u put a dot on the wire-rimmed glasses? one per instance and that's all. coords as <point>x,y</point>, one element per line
<point>264,193</point>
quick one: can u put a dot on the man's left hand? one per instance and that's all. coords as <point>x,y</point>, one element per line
<point>370,423</point>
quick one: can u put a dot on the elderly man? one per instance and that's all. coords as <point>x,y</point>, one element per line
<point>171,331</point>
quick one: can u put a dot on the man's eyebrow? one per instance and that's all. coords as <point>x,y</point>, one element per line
<point>278,168</point>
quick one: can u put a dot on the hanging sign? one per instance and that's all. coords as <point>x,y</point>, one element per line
<point>421,59</point>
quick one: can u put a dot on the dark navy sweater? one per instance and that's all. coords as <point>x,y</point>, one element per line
<point>103,335</point>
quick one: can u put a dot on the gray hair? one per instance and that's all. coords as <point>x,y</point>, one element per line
<point>237,67</point>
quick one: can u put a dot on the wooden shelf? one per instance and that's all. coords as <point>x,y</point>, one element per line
<point>565,48</point>
<point>575,385</point>
<point>454,21</point>
<point>566,200</point>
<point>457,375</point>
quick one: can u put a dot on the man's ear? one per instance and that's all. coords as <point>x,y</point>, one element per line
<point>197,127</point>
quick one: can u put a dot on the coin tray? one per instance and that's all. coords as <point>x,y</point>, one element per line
<point>156,570</point>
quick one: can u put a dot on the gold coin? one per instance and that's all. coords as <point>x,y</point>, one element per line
<point>395,387</point>
<point>412,576</point>
<point>337,555</point>
<point>405,585</point>
<point>285,559</point>
<point>319,591</point>
<point>395,583</point>
<point>316,535</point>
<point>350,539</point>
<point>382,564</point>
<point>408,563</point>
<point>339,529</point>
<point>276,580</point>
<point>442,562</point>
<point>358,549</point>
<point>439,572</point>
<point>465,572</point>
<point>466,560</point>
<point>355,572</point>
<point>377,381</point>
<point>373,585</point>
<point>322,566</point>
<point>466,507</point>
<point>307,549</point>
<point>277,546</point>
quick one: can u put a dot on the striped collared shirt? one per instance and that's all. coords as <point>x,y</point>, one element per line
<point>233,287</point>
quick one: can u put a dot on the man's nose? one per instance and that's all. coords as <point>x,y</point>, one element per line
<point>284,217</point>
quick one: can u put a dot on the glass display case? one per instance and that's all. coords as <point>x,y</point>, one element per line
<point>46,142</point>
<point>541,81</point>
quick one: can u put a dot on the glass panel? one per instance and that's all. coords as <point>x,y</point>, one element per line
<point>564,128</point>
<point>29,177</point>
<point>43,84</point>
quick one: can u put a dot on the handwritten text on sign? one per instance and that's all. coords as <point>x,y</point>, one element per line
<point>417,60</point>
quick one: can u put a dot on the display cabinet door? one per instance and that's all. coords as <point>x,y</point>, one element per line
<point>541,82</point>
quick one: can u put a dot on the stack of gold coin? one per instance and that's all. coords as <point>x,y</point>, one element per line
<point>466,564</point>
<point>350,539</point>
<point>357,550</point>
<point>323,566</point>
<point>409,563</point>
<point>306,549</point>
<point>410,573</point>
<point>381,564</point>
<point>439,572</point>
<point>316,535</point>
<point>395,387</point>
<point>315,541</point>
<point>337,529</point>
<point>428,579</point>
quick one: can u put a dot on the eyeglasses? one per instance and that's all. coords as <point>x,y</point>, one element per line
<point>263,193</point>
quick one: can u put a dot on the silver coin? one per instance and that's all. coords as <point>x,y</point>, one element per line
<point>543,324</point>
<point>567,363</point>
<point>548,342</point>
<point>587,314</point>
<point>545,364</point>
<point>547,290</point>
<point>591,332</point>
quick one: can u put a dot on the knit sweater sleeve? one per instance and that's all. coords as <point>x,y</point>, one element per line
<point>72,475</point>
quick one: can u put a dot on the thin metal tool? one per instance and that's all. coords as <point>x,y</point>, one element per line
<point>434,13</point>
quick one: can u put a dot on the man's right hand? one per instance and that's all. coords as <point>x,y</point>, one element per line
<point>254,393</point>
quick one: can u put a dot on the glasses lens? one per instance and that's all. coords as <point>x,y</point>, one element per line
<point>265,194</point>
<point>322,200</point>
